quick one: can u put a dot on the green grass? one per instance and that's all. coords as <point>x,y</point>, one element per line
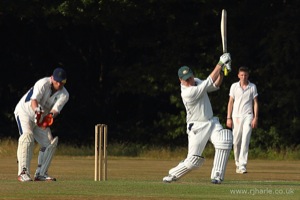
<point>136,172</point>
<point>147,190</point>
<point>130,178</point>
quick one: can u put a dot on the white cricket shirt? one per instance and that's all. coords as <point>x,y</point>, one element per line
<point>41,91</point>
<point>196,100</point>
<point>243,99</point>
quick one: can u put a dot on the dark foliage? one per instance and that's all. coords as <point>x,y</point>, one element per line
<point>122,59</point>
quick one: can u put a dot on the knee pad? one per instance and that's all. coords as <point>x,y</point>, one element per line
<point>194,162</point>
<point>223,139</point>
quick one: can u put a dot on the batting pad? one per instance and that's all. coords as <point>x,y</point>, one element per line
<point>194,162</point>
<point>220,163</point>
<point>222,139</point>
<point>187,165</point>
<point>223,144</point>
<point>45,157</point>
<point>179,171</point>
<point>25,152</point>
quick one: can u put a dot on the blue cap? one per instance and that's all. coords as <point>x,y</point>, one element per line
<point>185,73</point>
<point>59,75</point>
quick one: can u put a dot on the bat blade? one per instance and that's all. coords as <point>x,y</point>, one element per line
<point>224,30</point>
<point>224,34</point>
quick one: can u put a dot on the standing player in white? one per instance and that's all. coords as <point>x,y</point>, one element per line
<point>201,124</point>
<point>34,114</point>
<point>242,116</point>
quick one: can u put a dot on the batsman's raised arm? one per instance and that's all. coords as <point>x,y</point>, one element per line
<point>217,75</point>
<point>219,80</point>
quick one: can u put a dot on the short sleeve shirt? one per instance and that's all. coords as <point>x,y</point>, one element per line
<point>42,92</point>
<point>243,99</point>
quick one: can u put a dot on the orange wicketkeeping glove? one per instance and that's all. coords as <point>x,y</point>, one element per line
<point>47,121</point>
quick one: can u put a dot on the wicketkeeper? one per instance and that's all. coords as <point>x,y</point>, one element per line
<point>34,115</point>
<point>201,124</point>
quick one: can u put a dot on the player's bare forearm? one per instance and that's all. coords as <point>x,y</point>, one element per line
<point>219,80</point>
<point>229,113</point>
<point>230,107</point>
<point>215,74</point>
<point>255,117</point>
<point>34,104</point>
<point>255,101</point>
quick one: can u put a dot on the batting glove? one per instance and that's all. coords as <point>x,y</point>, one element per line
<point>228,66</point>
<point>225,61</point>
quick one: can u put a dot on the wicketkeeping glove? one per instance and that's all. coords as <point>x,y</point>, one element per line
<point>47,121</point>
<point>225,61</point>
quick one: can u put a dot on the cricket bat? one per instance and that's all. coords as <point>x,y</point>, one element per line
<point>224,34</point>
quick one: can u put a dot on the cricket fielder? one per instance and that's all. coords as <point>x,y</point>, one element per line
<point>34,114</point>
<point>201,124</point>
<point>242,117</point>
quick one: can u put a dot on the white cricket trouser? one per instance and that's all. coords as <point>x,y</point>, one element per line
<point>199,135</point>
<point>26,126</point>
<point>241,139</point>
<point>42,136</point>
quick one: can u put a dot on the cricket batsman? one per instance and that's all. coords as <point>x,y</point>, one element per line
<point>201,124</point>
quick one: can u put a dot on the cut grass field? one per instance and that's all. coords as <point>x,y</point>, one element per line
<point>138,178</point>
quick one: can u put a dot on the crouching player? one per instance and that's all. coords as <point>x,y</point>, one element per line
<point>34,115</point>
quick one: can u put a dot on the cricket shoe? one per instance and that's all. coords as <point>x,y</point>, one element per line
<point>44,178</point>
<point>24,177</point>
<point>170,178</point>
<point>217,179</point>
<point>241,170</point>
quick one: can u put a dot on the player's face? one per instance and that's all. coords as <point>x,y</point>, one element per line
<point>188,82</point>
<point>57,85</point>
<point>243,76</point>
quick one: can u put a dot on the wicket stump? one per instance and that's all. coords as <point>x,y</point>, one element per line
<point>100,152</point>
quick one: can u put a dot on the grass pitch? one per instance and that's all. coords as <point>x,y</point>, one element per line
<point>139,178</point>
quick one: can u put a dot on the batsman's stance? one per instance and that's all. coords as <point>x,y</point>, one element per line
<point>201,124</point>
<point>34,114</point>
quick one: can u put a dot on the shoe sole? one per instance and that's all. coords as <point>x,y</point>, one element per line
<point>167,181</point>
<point>21,180</point>
<point>53,179</point>
<point>240,172</point>
<point>216,182</point>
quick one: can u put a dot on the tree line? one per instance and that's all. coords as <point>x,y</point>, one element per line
<point>122,58</point>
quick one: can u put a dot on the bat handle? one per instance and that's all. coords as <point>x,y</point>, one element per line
<point>225,72</point>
